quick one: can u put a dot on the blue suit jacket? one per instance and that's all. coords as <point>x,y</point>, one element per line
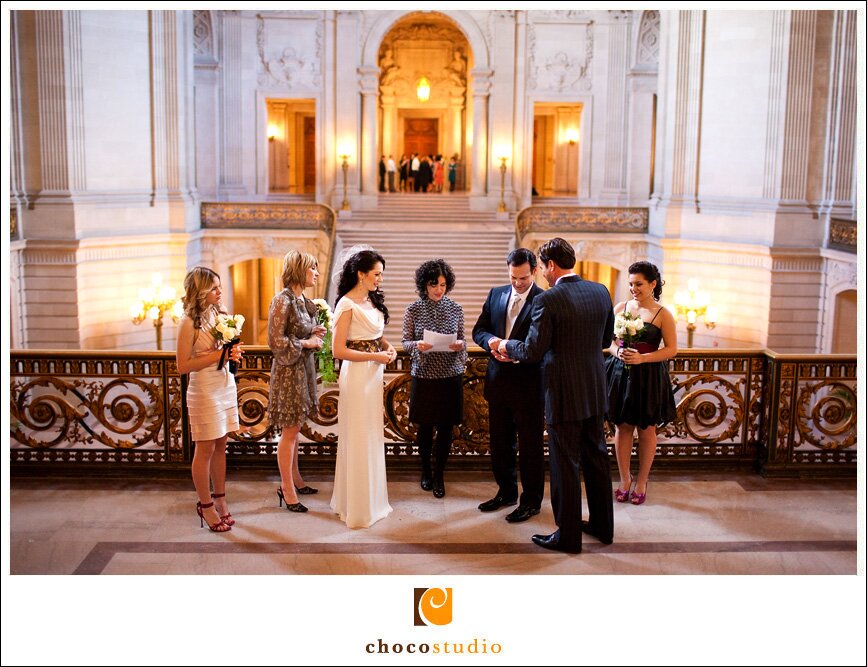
<point>571,323</point>
<point>505,381</point>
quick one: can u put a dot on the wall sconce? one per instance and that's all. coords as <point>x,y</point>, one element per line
<point>154,302</point>
<point>691,305</point>
<point>272,132</point>
<point>344,206</point>
<point>423,89</point>
<point>502,206</point>
<point>572,136</point>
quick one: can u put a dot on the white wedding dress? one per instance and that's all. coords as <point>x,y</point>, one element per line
<point>360,491</point>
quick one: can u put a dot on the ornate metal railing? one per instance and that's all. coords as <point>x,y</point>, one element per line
<point>565,219</point>
<point>787,414</point>
<point>843,234</point>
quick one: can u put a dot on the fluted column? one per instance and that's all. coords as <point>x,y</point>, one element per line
<point>481,94</point>
<point>168,106</point>
<point>233,113</point>
<point>369,160</point>
<point>614,181</point>
<point>838,194</point>
<point>687,122</point>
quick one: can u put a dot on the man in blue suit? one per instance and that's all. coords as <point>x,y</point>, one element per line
<point>516,408</point>
<point>571,323</point>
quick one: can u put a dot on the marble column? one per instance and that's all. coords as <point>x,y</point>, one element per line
<point>481,93</point>
<point>389,123</point>
<point>369,160</point>
<point>453,138</point>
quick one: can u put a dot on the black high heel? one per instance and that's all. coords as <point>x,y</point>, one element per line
<point>306,490</point>
<point>294,507</point>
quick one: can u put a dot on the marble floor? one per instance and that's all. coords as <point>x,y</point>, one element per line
<point>720,523</point>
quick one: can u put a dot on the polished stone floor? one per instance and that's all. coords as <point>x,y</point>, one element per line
<point>720,523</point>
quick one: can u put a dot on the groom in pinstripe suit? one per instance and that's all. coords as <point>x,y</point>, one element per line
<point>572,322</point>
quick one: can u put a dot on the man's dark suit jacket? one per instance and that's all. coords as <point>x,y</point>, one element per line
<point>571,323</point>
<point>506,381</point>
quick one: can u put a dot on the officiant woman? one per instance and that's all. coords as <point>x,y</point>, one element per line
<point>436,394</point>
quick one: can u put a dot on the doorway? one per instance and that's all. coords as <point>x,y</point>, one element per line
<point>421,135</point>
<point>845,337</point>
<point>556,148</point>
<point>254,284</point>
<point>291,146</point>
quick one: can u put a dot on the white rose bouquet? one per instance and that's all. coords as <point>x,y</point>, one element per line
<point>628,329</point>
<point>227,333</point>
<point>324,357</point>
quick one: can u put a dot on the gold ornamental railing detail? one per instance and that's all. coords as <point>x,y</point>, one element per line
<point>565,219</point>
<point>785,414</point>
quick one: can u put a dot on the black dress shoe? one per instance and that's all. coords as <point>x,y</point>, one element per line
<point>521,513</point>
<point>426,483</point>
<point>496,503</point>
<point>439,487</point>
<point>590,530</point>
<point>552,542</point>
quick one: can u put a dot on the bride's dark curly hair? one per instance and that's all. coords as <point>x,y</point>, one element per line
<point>363,261</point>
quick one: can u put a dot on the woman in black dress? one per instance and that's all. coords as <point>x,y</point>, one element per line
<point>639,389</point>
<point>436,393</point>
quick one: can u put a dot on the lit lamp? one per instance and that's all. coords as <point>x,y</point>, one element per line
<point>422,90</point>
<point>691,305</point>
<point>571,136</point>
<point>502,206</point>
<point>344,206</point>
<point>154,302</point>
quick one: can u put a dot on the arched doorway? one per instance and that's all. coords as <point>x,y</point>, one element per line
<point>427,46</point>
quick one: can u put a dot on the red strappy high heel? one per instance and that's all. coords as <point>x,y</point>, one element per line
<point>226,518</point>
<point>218,527</point>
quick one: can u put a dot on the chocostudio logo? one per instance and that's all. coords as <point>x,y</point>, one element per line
<point>433,606</point>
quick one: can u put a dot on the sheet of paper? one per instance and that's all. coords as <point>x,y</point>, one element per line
<point>439,341</point>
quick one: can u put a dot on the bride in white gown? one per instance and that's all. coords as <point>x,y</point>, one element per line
<point>360,490</point>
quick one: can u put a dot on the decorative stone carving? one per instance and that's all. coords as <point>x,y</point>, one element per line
<point>289,68</point>
<point>203,39</point>
<point>648,39</point>
<point>561,71</point>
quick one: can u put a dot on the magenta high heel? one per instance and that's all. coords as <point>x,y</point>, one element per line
<point>639,498</point>
<point>623,496</point>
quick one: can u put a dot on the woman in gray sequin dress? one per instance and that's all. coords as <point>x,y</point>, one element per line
<point>293,336</point>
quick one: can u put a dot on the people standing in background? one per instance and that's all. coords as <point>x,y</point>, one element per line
<point>391,170</point>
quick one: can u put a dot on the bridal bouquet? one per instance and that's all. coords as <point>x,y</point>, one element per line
<point>324,358</point>
<point>628,329</point>
<point>227,333</point>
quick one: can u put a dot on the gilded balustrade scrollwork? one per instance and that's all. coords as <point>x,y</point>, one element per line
<point>129,407</point>
<point>542,218</point>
